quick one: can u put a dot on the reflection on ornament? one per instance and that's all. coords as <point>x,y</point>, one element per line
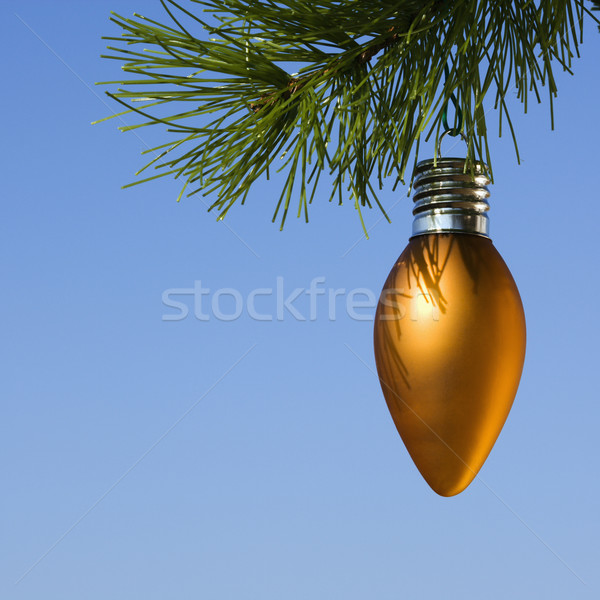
<point>449,329</point>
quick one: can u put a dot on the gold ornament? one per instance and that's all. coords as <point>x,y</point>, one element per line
<point>449,330</point>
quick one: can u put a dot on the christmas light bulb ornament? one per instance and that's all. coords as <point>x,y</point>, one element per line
<point>449,329</point>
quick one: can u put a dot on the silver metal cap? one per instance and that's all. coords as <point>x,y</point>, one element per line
<point>449,198</point>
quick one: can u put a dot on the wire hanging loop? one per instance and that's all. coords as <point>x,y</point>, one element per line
<point>439,146</point>
<point>458,118</point>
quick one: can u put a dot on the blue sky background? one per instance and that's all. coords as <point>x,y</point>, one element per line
<point>144,458</point>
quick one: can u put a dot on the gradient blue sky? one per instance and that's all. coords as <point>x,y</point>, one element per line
<point>151,459</point>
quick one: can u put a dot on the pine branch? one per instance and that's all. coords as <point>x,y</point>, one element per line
<point>370,82</point>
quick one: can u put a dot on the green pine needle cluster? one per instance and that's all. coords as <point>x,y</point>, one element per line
<point>369,82</point>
